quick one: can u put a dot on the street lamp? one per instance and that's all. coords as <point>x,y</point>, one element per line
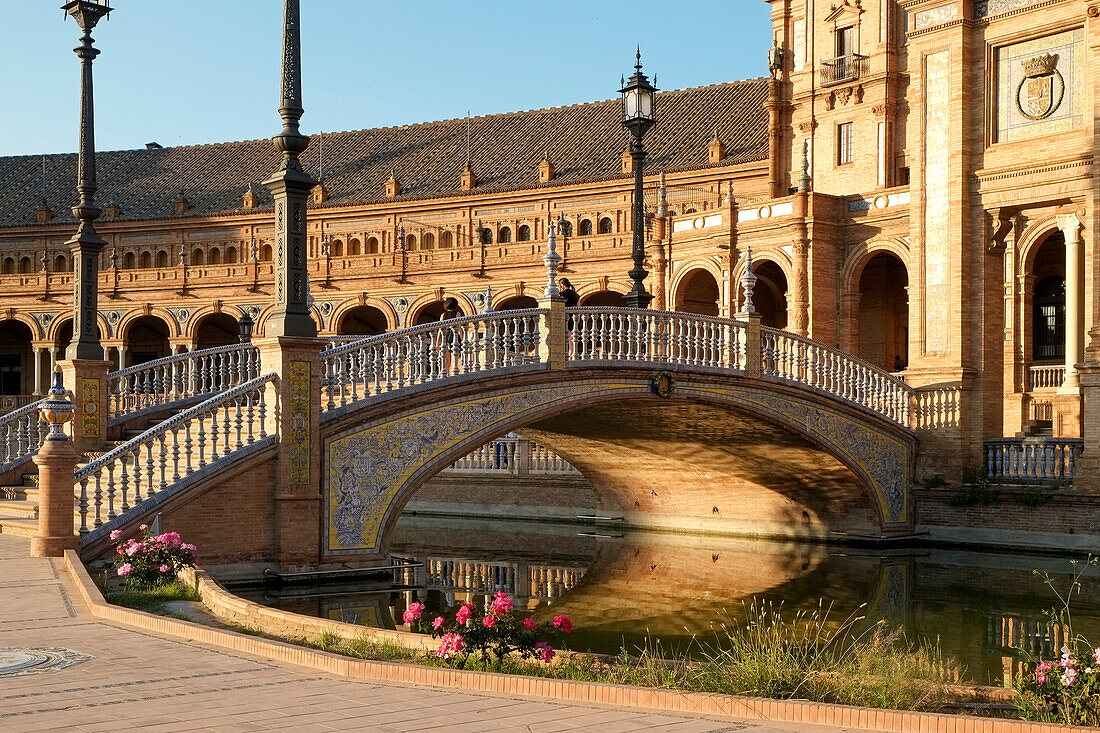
<point>244,327</point>
<point>638,117</point>
<point>86,244</point>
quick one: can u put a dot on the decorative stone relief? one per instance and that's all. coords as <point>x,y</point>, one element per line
<point>935,16</point>
<point>112,318</point>
<point>43,320</point>
<point>299,405</point>
<point>1041,86</point>
<point>937,144</point>
<point>985,8</point>
<point>401,307</point>
<point>181,315</point>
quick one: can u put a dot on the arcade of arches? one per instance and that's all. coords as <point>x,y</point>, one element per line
<point>364,320</point>
<point>883,320</point>
<point>698,293</point>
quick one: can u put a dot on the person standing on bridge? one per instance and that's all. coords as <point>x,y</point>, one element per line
<point>569,295</point>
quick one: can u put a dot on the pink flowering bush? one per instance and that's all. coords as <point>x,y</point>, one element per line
<point>489,633</point>
<point>151,560</point>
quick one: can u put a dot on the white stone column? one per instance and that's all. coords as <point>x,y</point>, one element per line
<point>37,383</point>
<point>1071,227</point>
<point>122,357</point>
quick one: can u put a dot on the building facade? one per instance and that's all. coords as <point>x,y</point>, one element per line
<point>914,180</point>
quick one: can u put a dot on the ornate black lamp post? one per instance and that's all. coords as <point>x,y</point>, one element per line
<point>638,117</point>
<point>244,328</point>
<point>291,187</point>
<point>86,244</point>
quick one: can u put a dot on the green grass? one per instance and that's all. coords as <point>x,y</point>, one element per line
<point>151,599</point>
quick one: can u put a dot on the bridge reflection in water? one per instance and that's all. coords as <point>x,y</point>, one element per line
<point>631,588</point>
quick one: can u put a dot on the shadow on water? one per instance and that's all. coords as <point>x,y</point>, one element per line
<point>630,589</point>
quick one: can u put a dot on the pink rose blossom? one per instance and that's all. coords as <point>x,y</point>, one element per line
<point>126,570</point>
<point>190,548</point>
<point>134,548</point>
<point>529,624</point>
<point>1069,677</point>
<point>489,621</point>
<point>546,652</point>
<point>163,568</point>
<point>115,534</point>
<point>450,643</point>
<point>1096,654</point>
<point>437,622</point>
<point>413,612</point>
<point>143,527</point>
<point>464,613</point>
<point>563,623</point>
<point>502,604</point>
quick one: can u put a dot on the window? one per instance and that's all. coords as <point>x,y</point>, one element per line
<point>585,228</point>
<point>9,266</point>
<point>146,260</point>
<point>565,228</point>
<point>605,226</point>
<point>428,241</point>
<point>61,264</point>
<point>265,253</point>
<point>844,143</point>
<point>485,235</point>
<point>130,260</point>
<point>25,265</point>
<point>215,257</point>
<point>844,41</point>
<point>162,259</point>
<point>410,242</point>
<point>354,248</point>
<point>1050,319</point>
<point>372,245</point>
<point>336,248</point>
<point>524,234</point>
<point>445,240</point>
<point>505,235</point>
<point>230,255</point>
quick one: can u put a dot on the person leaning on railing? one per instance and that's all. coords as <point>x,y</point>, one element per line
<point>569,295</point>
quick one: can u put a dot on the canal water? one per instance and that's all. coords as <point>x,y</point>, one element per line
<point>636,589</point>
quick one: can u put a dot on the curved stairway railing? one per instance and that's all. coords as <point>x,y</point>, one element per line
<point>800,360</point>
<point>427,353</point>
<point>150,463</point>
<point>181,376</point>
<point>21,434</point>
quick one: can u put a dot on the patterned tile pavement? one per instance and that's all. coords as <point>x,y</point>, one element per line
<point>139,681</point>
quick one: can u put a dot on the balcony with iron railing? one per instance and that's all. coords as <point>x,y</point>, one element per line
<point>843,68</point>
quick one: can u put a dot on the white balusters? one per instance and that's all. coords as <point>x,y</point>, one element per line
<point>139,469</point>
<point>21,432</point>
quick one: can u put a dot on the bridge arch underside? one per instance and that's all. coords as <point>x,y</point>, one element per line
<point>720,454</point>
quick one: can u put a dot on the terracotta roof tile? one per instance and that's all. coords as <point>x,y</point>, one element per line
<point>584,142</point>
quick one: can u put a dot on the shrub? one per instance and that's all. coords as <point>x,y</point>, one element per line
<point>934,482</point>
<point>975,489</point>
<point>149,561</point>
<point>490,633</point>
<point>1034,496</point>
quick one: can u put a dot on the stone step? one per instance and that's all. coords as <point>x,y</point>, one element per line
<point>30,479</point>
<point>20,527</point>
<point>19,509</point>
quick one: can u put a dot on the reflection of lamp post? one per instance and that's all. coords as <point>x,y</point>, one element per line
<point>638,117</point>
<point>244,327</point>
<point>87,244</point>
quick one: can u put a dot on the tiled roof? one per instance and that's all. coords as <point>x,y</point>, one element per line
<point>584,143</point>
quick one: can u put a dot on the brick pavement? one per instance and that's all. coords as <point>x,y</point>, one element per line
<point>141,681</point>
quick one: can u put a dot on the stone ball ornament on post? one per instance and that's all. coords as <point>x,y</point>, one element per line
<point>56,461</point>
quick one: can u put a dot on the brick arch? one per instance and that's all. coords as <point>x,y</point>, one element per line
<point>261,319</point>
<point>376,456</point>
<point>865,252</point>
<point>1032,240</point>
<point>13,314</point>
<point>591,288</point>
<point>132,315</point>
<point>54,328</point>
<point>350,304</point>
<point>420,303</point>
<point>689,267</point>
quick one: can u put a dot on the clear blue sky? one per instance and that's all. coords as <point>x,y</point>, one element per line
<point>198,71</point>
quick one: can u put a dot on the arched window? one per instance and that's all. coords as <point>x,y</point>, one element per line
<point>230,255</point>
<point>428,241</point>
<point>1050,319</point>
<point>198,258</point>
<point>162,259</point>
<point>372,245</point>
<point>215,256</point>
<point>446,240</point>
<point>25,264</point>
<point>129,261</point>
<point>585,228</point>
<point>60,264</point>
<point>524,233</point>
<point>410,242</point>
<point>486,235</point>
<point>605,226</point>
<point>146,260</point>
<point>565,228</point>
<point>354,248</point>
<point>689,210</point>
<point>336,248</point>
<point>9,266</point>
<point>265,253</point>
<point>505,235</point>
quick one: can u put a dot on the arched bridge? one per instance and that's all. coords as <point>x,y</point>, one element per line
<point>633,398</point>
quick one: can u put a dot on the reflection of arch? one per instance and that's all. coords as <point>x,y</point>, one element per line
<point>215,329</point>
<point>698,292</point>
<point>362,320</point>
<point>515,303</point>
<point>364,485</point>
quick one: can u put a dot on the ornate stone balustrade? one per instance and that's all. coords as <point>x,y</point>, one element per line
<point>936,407</point>
<point>162,456</point>
<point>800,360</point>
<point>1046,376</point>
<point>1032,459</point>
<point>513,456</point>
<point>542,582</point>
<point>434,351</point>
<point>21,433</point>
<point>181,376</point>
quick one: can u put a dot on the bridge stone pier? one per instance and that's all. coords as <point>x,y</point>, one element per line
<point>296,452</point>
